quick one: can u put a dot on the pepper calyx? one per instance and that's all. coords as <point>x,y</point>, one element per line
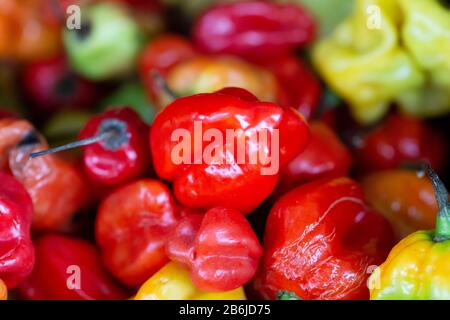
<point>442,231</point>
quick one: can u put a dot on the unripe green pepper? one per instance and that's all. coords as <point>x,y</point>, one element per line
<point>106,45</point>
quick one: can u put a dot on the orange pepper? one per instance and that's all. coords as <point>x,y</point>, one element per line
<point>3,291</point>
<point>404,198</point>
<point>26,33</point>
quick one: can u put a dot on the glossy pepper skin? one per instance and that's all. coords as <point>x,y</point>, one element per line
<point>58,187</point>
<point>399,140</point>
<point>123,160</point>
<point>220,248</point>
<point>253,28</point>
<point>12,131</point>
<point>132,227</point>
<point>324,157</point>
<point>298,86</point>
<point>16,248</point>
<point>25,32</point>
<point>161,54</point>
<point>52,85</point>
<point>207,74</point>
<point>408,209</point>
<point>238,186</point>
<point>367,66</point>
<point>320,241</point>
<point>68,269</point>
<point>417,267</point>
<point>173,282</point>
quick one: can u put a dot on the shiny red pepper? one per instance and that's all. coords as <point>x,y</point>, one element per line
<point>16,248</point>
<point>324,157</point>
<point>124,154</point>
<point>299,87</point>
<point>229,181</point>
<point>254,28</point>
<point>52,85</point>
<point>219,247</point>
<point>69,269</point>
<point>160,55</point>
<point>321,242</point>
<point>132,227</point>
<point>399,140</point>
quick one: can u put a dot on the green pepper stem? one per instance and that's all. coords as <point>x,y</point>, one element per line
<point>442,231</point>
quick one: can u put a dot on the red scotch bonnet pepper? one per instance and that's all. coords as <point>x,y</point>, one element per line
<point>16,249</point>
<point>321,242</point>
<point>194,128</point>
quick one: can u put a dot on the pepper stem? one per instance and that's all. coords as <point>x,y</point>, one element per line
<point>162,85</point>
<point>113,134</point>
<point>442,231</point>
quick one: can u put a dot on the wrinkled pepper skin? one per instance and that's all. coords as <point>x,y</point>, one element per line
<point>58,188</point>
<point>16,248</point>
<point>12,131</point>
<point>408,209</point>
<point>324,157</point>
<point>417,267</point>
<point>69,269</point>
<point>129,160</point>
<point>206,74</point>
<point>253,28</point>
<point>132,227</point>
<point>220,248</point>
<point>320,242</point>
<point>3,291</point>
<point>367,66</point>
<point>426,37</point>
<point>173,282</point>
<point>397,141</point>
<point>237,186</point>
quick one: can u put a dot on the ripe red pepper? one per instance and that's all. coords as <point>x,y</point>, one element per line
<point>16,248</point>
<point>219,247</point>
<point>160,55</point>
<point>69,269</point>
<point>325,157</point>
<point>299,87</point>
<point>12,131</point>
<point>57,187</point>
<point>398,140</point>
<point>123,155</point>
<point>321,241</point>
<point>254,28</point>
<point>228,181</point>
<point>132,227</point>
<point>52,85</point>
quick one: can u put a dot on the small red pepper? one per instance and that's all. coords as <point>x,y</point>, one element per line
<point>122,154</point>
<point>254,28</point>
<point>322,242</point>
<point>16,248</point>
<point>299,87</point>
<point>69,269</point>
<point>52,85</point>
<point>228,181</point>
<point>132,227</point>
<point>325,157</point>
<point>220,248</point>
<point>398,140</point>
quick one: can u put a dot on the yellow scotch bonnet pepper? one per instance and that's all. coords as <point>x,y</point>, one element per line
<point>390,51</point>
<point>3,291</point>
<point>418,267</point>
<point>173,282</point>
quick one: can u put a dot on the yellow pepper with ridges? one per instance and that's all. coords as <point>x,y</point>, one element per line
<point>173,282</point>
<point>3,291</point>
<point>418,267</point>
<point>389,51</point>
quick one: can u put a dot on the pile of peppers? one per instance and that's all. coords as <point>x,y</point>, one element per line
<point>106,128</point>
